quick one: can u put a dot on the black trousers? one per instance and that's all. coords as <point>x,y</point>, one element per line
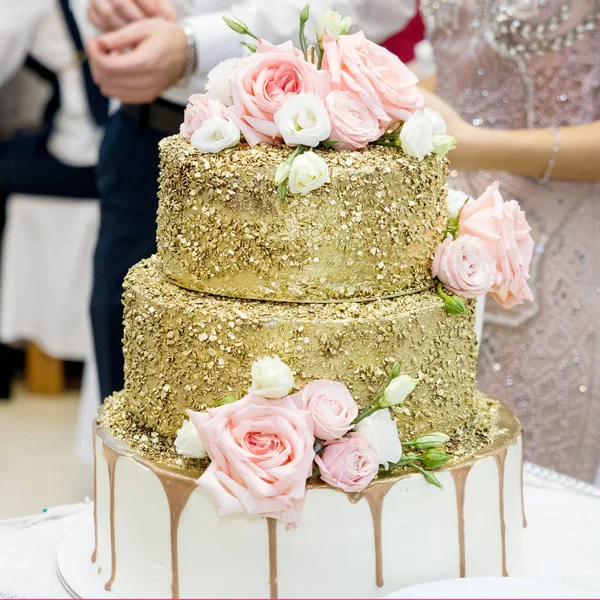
<point>26,167</point>
<point>127,181</point>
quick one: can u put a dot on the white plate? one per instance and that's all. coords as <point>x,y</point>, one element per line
<point>75,569</point>
<point>491,587</point>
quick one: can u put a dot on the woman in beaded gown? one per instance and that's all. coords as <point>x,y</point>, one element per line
<point>523,80</point>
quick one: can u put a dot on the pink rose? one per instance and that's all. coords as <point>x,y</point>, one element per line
<point>503,228</point>
<point>261,83</point>
<point>353,125</point>
<point>349,463</point>
<point>332,408</point>
<point>381,79</point>
<point>265,47</point>
<point>464,266</point>
<point>261,454</point>
<point>200,108</point>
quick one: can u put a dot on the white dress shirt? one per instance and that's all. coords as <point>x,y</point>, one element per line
<point>37,27</point>
<point>274,20</point>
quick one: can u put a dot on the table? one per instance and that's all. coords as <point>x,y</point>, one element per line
<point>562,540</point>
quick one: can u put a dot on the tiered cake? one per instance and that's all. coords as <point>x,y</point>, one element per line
<point>300,416</point>
<point>337,283</point>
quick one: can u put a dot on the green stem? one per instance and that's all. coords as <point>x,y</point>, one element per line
<point>321,55</point>
<point>302,35</point>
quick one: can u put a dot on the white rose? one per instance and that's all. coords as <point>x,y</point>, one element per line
<point>189,442</point>
<point>455,201</point>
<point>216,134</point>
<point>271,378</point>
<point>309,172</point>
<point>218,85</point>
<point>397,390</point>
<point>418,130</point>
<point>382,435</point>
<point>335,24</point>
<point>303,120</point>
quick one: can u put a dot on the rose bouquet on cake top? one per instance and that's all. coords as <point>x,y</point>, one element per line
<point>264,447</point>
<point>342,92</point>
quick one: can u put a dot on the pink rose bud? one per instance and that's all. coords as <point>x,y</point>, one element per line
<point>353,125</point>
<point>349,464</point>
<point>464,266</point>
<point>200,108</point>
<point>504,230</point>
<point>332,408</point>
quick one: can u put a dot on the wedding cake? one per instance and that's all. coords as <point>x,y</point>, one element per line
<point>300,415</point>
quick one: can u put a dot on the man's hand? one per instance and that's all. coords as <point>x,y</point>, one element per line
<point>156,60</point>
<point>109,15</point>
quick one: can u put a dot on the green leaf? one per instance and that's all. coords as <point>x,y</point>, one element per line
<point>329,143</point>
<point>434,458</point>
<point>302,36</point>
<point>454,305</point>
<point>238,26</point>
<point>251,47</point>
<point>228,400</point>
<point>429,477</point>
<point>282,189</point>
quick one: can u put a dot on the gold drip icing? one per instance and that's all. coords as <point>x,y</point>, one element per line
<point>178,492</point>
<point>272,533</point>
<point>375,495</point>
<point>459,476</point>
<point>111,456</point>
<point>500,458</point>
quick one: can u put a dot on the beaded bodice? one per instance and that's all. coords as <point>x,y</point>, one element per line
<point>518,63</point>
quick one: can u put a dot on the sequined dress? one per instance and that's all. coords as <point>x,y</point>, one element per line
<point>530,64</point>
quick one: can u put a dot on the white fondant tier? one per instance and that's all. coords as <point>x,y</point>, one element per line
<point>158,535</point>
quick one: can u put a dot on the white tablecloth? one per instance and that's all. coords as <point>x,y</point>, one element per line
<point>562,540</point>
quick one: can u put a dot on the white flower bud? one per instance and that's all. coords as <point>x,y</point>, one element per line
<point>397,390</point>
<point>334,23</point>
<point>189,442</point>
<point>303,120</point>
<point>216,134</point>
<point>382,435</point>
<point>309,172</point>
<point>271,378</point>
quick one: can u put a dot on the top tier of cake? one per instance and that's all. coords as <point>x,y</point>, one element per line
<point>369,233</point>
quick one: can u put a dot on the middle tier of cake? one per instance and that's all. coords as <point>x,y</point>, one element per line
<point>187,350</point>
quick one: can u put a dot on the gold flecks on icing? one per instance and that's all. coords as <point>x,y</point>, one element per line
<point>371,232</point>
<point>187,350</point>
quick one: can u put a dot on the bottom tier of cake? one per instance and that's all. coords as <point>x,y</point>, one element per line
<point>158,534</point>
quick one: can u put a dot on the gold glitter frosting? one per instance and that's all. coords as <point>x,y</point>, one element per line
<point>370,233</point>
<point>187,350</point>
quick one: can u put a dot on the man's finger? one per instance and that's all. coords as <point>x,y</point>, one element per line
<point>166,10</point>
<point>128,10</point>
<point>114,65</point>
<point>126,37</point>
<point>104,17</point>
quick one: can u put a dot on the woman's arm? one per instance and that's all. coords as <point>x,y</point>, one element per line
<point>522,151</point>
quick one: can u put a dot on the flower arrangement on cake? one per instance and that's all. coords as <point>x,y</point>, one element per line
<point>264,446</point>
<point>344,92</point>
<point>341,93</point>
